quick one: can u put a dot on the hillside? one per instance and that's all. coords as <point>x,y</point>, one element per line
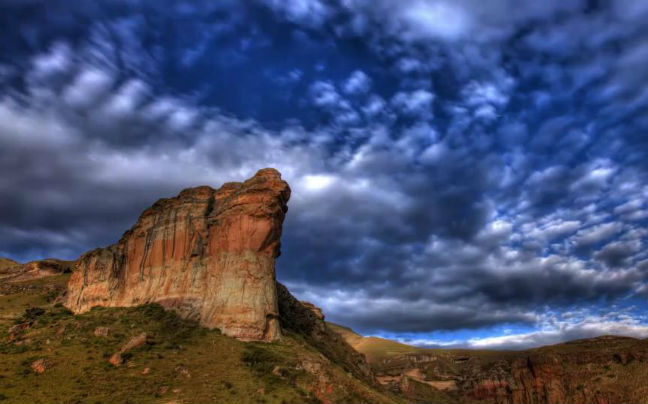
<point>179,361</point>
<point>374,348</point>
<point>607,369</point>
<point>6,263</point>
<point>14,272</point>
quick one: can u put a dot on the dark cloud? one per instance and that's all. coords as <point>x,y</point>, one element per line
<point>455,165</point>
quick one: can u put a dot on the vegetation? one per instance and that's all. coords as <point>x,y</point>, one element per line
<point>6,263</point>
<point>181,361</point>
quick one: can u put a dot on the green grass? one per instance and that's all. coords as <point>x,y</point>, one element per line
<point>185,362</point>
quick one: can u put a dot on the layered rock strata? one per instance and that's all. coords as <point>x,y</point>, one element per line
<point>207,254</point>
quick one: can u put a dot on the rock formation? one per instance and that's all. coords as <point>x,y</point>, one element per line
<point>306,319</point>
<point>207,254</point>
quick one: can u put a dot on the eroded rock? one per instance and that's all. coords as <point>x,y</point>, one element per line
<point>207,254</point>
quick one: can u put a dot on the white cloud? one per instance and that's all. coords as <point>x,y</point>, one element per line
<point>317,182</point>
<point>374,106</point>
<point>554,229</point>
<point>415,103</point>
<point>57,60</point>
<point>89,87</point>
<point>357,83</point>
<point>587,328</point>
<point>324,94</point>
<point>309,12</point>
<point>433,19</point>
<point>596,234</point>
<point>127,98</point>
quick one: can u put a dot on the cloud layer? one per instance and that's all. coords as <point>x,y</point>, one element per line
<point>460,169</point>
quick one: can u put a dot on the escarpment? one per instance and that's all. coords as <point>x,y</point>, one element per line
<point>207,254</point>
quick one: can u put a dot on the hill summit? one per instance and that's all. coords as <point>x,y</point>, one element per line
<point>208,254</point>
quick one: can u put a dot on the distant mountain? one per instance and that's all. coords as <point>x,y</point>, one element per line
<point>607,369</point>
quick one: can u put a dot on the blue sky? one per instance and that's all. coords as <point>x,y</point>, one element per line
<point>464,173</point>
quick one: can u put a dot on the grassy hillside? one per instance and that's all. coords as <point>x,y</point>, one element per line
<point>374,348</point>
<point>180,361</point>
<point>6,263</point>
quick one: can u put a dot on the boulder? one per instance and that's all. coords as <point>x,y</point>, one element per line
<point>39,366</point>
<point>117,359</point>
<point>101,331</point>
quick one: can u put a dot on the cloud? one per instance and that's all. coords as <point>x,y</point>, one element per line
<point>310,12</point>
<point>357,83</point>
<point>595,234</point>
<point>88,88</point>
<point>588,328</point>
<point>456,166</point>
<point>616,254</point>
<point>424,20</point>
<point>415,103</point>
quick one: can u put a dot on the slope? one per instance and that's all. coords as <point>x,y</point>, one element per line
<point>49,355</point>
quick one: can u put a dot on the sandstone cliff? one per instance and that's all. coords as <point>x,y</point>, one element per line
<point>207,254</point>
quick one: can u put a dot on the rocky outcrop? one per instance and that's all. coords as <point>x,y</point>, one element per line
<point>207,254</point>
<point>306,319</point>
<point>117,359</point>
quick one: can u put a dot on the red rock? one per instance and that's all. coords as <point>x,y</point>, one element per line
<point>39,366</point>
<point>135,342</point>
<point>207,254</point>
<point>117,360</point>
<point>17,331</point>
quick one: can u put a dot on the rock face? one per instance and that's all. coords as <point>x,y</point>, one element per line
<point>207,254</point>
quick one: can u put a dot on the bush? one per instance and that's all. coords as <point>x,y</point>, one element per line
<point>30,314</point>
<point>259,359</point>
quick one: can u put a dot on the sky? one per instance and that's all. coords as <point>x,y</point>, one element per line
<point>464,172</point>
